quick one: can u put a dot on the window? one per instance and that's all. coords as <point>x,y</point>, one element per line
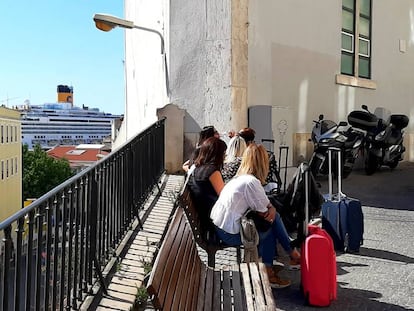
<point>356,38</point>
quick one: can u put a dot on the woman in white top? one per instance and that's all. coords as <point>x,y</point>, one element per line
<point>245,191</point>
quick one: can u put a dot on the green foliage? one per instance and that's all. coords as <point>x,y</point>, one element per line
<point>42,173</point>
<point>147,267</point>
<point>141,298</point>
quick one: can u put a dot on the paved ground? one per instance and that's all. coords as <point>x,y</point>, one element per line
<point>381,277</point>
<point>130,271</point>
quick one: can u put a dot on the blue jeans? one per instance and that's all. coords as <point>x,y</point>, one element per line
<point>267,240</point>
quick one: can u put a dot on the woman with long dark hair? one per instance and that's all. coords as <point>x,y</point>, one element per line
<point>205,180</point>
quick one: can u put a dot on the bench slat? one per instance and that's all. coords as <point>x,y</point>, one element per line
<point>184,292</point>
<point>156,279</point>
<point>217,290</point>
<point>209,290</point>
<point>172,265</point>
<point>256,287</point>
<point>238,295</point>
<point>226,285</point>
<point>247,285</point>
<point>270,300</point>
<point>191,280</point>
<point>202,288</point>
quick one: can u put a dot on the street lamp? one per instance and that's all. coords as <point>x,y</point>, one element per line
<point>106,22</point>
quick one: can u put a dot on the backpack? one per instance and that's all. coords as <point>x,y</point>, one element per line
<point>291,205</point>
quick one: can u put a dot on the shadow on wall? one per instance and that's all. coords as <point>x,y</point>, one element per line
<point>191,131</point>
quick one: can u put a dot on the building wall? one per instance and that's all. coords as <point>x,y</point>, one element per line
<point>144,64</point>
<point>200,62</point>
<point>294,58</point>
<point>10,163</point>
<point>226,56</point>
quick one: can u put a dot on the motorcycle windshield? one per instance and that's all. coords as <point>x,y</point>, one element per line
<point>326,125</point>
<point>384,114</point>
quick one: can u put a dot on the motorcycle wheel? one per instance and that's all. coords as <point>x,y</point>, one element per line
<point>371,164</point>
<point>393,164</point>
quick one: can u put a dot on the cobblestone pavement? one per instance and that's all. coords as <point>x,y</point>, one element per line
<point>381,276</point>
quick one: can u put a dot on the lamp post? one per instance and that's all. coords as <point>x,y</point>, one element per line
<point>106,22</point>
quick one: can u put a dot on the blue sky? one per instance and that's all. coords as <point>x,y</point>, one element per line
<point>50,42</point>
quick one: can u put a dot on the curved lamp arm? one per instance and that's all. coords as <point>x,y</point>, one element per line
<point>106,22</point>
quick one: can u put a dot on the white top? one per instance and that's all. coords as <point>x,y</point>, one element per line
<point>239,194</point>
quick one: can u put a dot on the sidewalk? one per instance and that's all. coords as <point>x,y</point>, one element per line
<point>381,277</point>
<point>130,271</point>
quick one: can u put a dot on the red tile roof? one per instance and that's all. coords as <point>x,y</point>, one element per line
<point>72,154</point>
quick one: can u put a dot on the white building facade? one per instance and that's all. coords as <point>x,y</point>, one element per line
<point>300,58</point>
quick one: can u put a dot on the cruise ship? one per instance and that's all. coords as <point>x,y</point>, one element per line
<point>62,123</point>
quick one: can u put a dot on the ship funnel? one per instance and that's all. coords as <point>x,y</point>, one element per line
<point>65,94</point>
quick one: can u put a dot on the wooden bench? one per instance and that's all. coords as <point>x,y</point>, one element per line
<point>206,240</point>
<point>181,281</point>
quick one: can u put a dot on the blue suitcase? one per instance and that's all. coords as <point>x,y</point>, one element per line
<point>342,216</point>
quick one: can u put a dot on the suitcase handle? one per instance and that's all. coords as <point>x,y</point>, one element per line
<point>306,201</point>
<point>340,193</point>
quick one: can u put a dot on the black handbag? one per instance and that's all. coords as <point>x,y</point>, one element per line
<point>262,225</point>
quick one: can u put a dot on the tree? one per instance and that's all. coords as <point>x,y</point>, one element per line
<point>42,173</point>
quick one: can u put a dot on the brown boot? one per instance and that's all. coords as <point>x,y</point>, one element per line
<point>275,280</point>
<point>294,262</point>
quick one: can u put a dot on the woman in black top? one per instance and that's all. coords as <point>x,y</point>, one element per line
<point>206,132</point>
<point>205,179</point>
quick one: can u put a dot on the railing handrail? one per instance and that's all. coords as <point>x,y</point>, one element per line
<point>24,211</point>
<point>54,251</point>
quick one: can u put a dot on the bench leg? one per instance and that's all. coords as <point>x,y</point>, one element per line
<point>238,254</point>
<point>211,259</point>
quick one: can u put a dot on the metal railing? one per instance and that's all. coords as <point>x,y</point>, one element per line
<point>54,250</point>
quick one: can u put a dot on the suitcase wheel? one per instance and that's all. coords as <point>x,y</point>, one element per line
<point>307,299</point>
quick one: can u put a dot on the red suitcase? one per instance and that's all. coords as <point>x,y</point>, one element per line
<point>318,263</point>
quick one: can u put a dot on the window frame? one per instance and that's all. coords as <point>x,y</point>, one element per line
<point>356,79</point>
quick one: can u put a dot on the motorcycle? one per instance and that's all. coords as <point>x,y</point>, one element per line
<point>383,144</point>
<point>326,134</point>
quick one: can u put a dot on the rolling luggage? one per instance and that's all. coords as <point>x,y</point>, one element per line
<point>342,216</point>
<point>318,263</point>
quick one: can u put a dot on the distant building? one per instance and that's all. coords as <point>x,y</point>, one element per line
<point>10,163</point>
<point>63,123</point>
<point>81,156</point>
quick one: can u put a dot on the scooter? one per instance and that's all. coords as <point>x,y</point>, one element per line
<point>383,144</point>
<point>326,134</point>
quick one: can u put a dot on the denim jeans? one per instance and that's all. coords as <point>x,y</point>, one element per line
<point>267,240</point>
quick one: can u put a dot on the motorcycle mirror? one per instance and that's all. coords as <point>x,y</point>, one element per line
<point>343,123</point>
<point>320,117</point>
<point>364,107</point>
